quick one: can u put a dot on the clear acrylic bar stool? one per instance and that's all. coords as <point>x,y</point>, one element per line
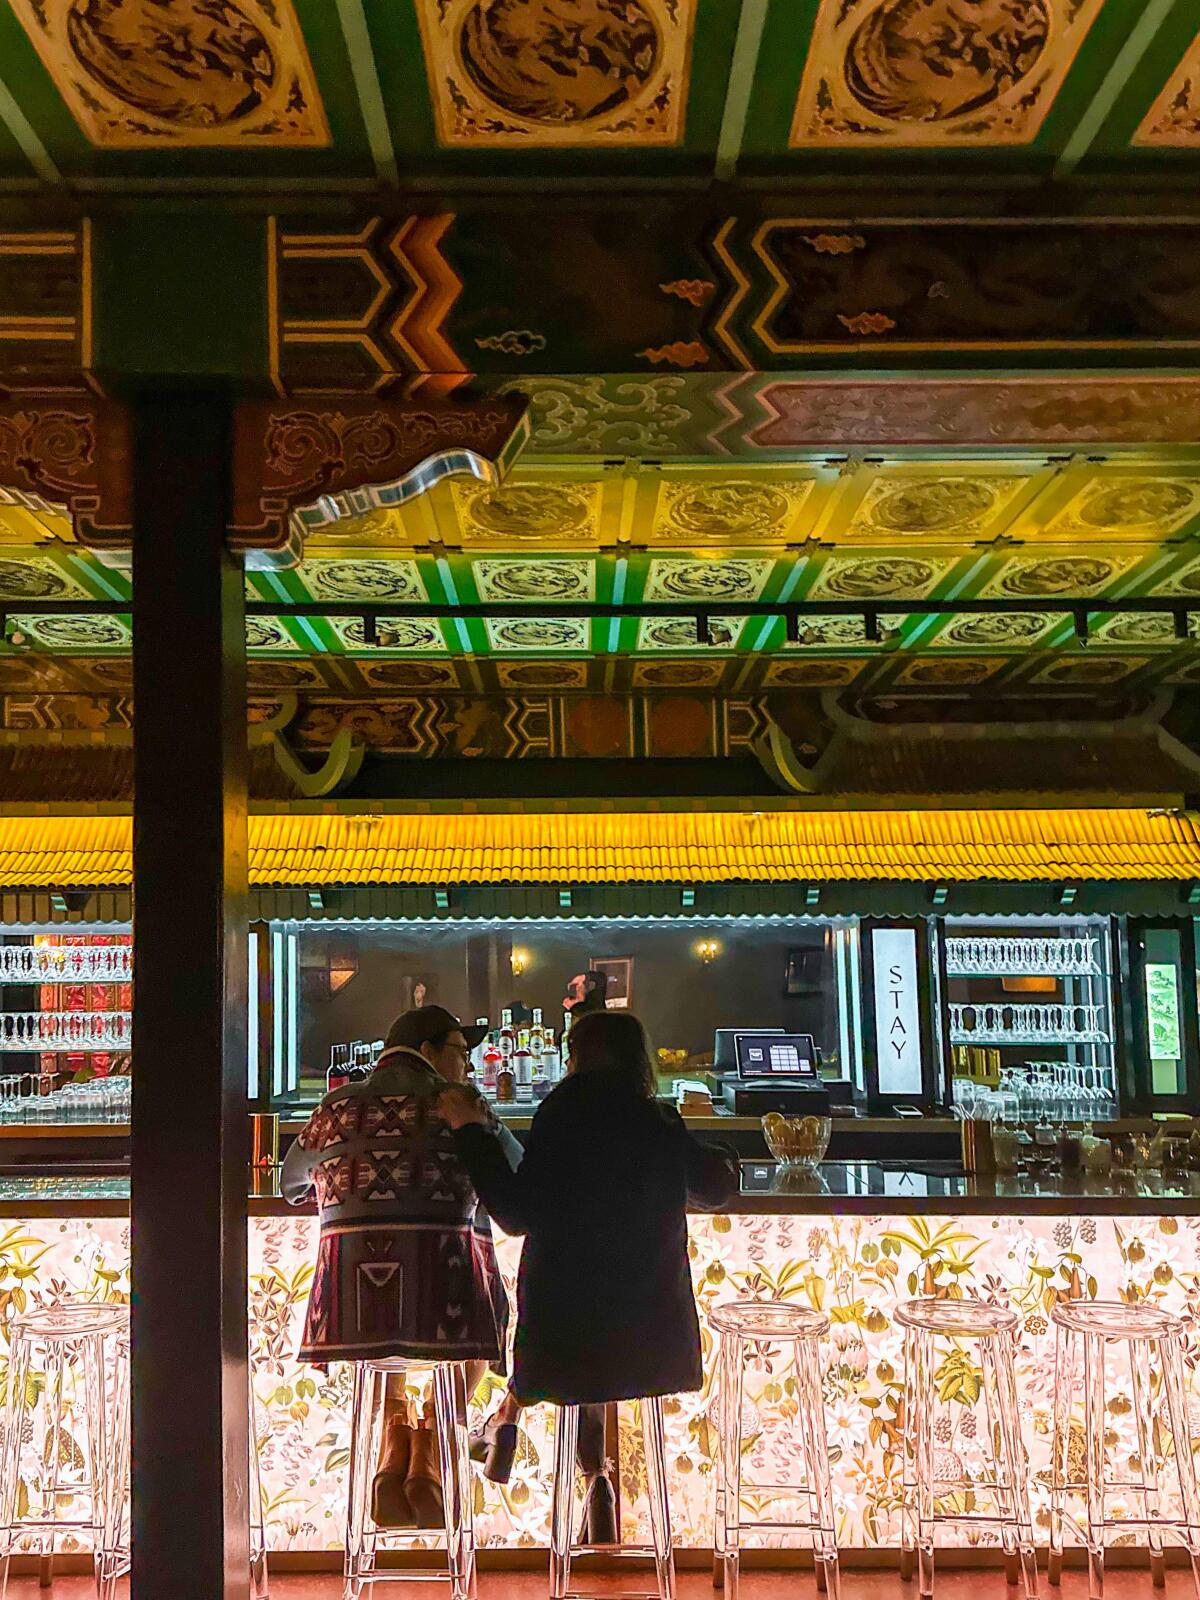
<point>741,1325</point>
<point>1085,1332</point>
<point>69,1440</point>
<point>990,1332</point>
<point>364,1541</point>
<point>258,1531</point>
<point>563,1545</point>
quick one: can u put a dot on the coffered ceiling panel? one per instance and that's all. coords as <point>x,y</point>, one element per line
<point>364,94</point>
<point>1038,541</point>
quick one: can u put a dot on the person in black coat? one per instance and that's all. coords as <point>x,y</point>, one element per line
<point>605,1304</point>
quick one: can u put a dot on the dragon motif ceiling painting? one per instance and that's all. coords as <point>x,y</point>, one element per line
<point>388,90</point>
<point>526,73</point>
<point>936,72</point>
<point>134,76</point>
<point>558,538</point>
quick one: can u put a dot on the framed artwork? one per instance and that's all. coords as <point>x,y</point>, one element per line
<point>619,972</point>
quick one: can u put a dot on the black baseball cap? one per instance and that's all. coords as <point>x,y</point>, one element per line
<point>417,1027</point>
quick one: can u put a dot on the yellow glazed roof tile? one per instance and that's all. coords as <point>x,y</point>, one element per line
<point>291,850</point>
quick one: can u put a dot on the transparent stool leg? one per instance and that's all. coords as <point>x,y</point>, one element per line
<point>53,1440</point>
<point>456,1486</point>
<point>116,1529</point>
<point>1093,1427</point>
<point>718,1567</point>
<point>1065,1353</point>
<point>566,1438</point>
<point>1005,1504</point>
<point>926,1487</point>
<point>654,1445</point>
<point>14,1416</point>
<point>1143,1413</point>
<point>100,1446</point>
<point>731,1454</point>
<point>1002,1356</point>
<point>1174,1383</point>
<point>908,1463</point>
<point>361,1431</point>
<point>816,1451</point>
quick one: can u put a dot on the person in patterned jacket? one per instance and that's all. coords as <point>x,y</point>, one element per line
<point>405,1266</point>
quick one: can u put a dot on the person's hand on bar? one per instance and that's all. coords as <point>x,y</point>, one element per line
<point>459,1104</point>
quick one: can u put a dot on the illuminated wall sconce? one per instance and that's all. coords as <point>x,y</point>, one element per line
<point>707,951</point>
<point>519,960</point>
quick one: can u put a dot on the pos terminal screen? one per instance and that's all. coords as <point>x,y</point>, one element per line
<point>776,1055</point>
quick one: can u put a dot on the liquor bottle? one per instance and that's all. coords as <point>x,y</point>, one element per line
<point>493,1060</point>
<point>339,1067</point>
<point>522,1065</point>
<point>508,1037</point>
<point>506,1084</point>
<point>537,1038</point>
<point>477,1053</point>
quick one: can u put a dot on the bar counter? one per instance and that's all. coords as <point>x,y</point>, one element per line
<point>854,1239</point>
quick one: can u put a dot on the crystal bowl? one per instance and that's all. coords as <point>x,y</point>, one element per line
<point>797,1141</point>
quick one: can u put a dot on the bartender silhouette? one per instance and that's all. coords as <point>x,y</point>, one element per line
<point>586,992</point>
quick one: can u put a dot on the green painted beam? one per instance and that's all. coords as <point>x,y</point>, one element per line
<point>1141,36</point>
<point>742,75</point>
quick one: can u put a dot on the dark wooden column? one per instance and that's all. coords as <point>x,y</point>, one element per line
<point>189,1140</point>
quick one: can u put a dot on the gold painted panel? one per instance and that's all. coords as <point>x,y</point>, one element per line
<point>935,73</point>
<point>1174,118</point>
<point>878,577</point>
<point>136,77</point>
<point>731,508</point>
<point>1118,503</point>
<point>410,674</point>
<point>678,674</point>
<point>571,634</point>
<point>395,633</point>
<point>679,633</point>
<point>903,503</point>
<point>25,576</point>
<point>22,527</point>
<point>1069,573</point>
<point>542,674</point>
<point>530,579</point>
<point>831,633</point>
<point>1140,629</point>
<point>71,635</point>
<point>1185,582</point>
<point>346,578</point>
<point>825,674</point>
<point>1084,669</point>
<point>717,581</point>
<point>551,512</point>
<point>996,630</point>
<point>947,672</point>
<point>524,74</point>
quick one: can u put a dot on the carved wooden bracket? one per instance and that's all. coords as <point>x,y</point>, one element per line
<point>294,466</point>
<point>73,455</point>
<point>298,467</point>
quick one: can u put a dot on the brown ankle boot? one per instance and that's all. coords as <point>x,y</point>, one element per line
<point>423,1486</point>
<point>390,1506</point>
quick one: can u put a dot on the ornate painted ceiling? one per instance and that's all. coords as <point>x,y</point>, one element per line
<point>563,535</point>
<point>362,93</point>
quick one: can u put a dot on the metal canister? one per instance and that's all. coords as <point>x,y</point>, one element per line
<point>264,1154</point>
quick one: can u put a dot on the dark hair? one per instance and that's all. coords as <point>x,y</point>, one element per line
<point>613,1042</point>
<point>399,1036</point>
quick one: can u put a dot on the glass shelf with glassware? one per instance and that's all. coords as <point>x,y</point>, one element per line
<point>57,963</point>
<point>71,1032</point>
<point>1069,955</point>
<point>1029,1018</point>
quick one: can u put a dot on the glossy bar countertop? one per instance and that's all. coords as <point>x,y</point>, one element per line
<point>867,1188</point>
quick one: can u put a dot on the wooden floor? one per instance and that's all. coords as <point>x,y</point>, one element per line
<point>961,1585</point>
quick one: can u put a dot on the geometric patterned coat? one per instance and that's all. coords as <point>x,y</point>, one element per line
<point>406,1266</point>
